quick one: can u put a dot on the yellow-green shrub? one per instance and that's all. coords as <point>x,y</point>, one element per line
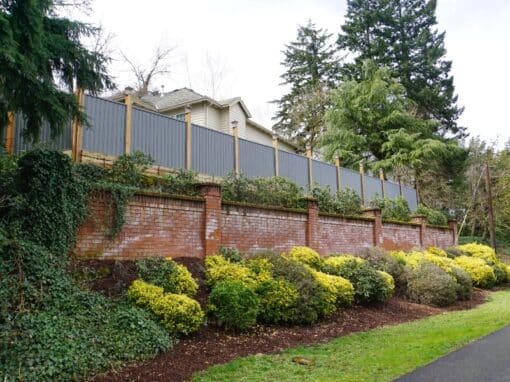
<point>480,251</point>
<point>306,256</point>
<point>277,299</point>
<point>260,268</point>
<point>389,281</point>
<point>340,291</point>
<point>182,281</point>
<point>507,267</point>
<point>482,275</point>
<point>178,313</point>
<point>400,256</point>
<point>218,269</point>
<point>442,262</point>
<point>437,251</point>
<point>337,264</point>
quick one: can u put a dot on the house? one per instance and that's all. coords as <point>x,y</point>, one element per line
<point>208,112</point>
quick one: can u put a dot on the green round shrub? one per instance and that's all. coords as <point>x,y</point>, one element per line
<point>369,285</point>
<point>428,284</point>
<point>306,256</point>
<point>233,305</point>
<point>277,300</point>
<point>383,261</point>
<point>464,283</point>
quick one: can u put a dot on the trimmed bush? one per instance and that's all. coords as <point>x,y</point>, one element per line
<point>428,284</point>
<point>338,291</point>
<point>480,251</point>
<point>499,270</point>
<point>345,202</point>
<point>233,305</point>
<point>433,216</point>
<point>306,256</point>
<point>167,274</point>
<point>437,251</point>
<point>393,209</point>
<point>218,269</point>
<point>182,282</point>
<point>310,304</point>
<point>390,282</point>
<point>177,313</point>
<point>464,283</point>
<point>483,276</point>
<point>231,254</point>
<point>260,268</point>
<point>369,285</point>
<point>277,299</point>
<point>383,261</point>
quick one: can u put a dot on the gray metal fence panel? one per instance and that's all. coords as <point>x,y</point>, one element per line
<point>212,152</point>
<point>108,121</point>
<point>255,159</point>
<point>162,137</point>
<point>61,142</point>
<point>372,188</point>
<point>294,167</point>
<point>391,189</point>
<point>409,194</point>
<point>350,179</point>
<point>324,174</point>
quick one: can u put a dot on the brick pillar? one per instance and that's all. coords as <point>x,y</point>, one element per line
<point>378,227</point>
<point>311,224</point>
<point>212,217</point>
<point>422,221</point>
<point>452,224</point>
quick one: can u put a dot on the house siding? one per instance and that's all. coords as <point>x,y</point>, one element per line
<point>237,114</point>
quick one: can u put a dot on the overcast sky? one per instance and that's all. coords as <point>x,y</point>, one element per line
<point>243,39</point>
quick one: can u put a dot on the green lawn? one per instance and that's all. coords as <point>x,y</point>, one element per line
<point>377,355</point>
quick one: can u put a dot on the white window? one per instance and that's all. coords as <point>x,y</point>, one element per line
<point>179,116</point>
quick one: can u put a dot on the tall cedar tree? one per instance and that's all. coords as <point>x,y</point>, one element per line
<point>42,60</point>
<point>312,69</point>
<point>402,35</point>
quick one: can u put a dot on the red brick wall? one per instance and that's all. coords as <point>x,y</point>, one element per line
<point>154,226</point>
<point>164,226</point>
<point>340,235</point>
<point>438,237</point>
<point>400,236</point>
<point>252,229</point>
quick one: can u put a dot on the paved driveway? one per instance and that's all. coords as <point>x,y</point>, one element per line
<point>487,359</point>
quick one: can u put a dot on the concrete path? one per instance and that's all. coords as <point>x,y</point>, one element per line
<point>487,359</point>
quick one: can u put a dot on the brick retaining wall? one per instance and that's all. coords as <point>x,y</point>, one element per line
<point>195,227</point>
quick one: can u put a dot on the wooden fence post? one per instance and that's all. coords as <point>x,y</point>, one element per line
<point>235,133</point>
<point>400,186</point>
<point>187,120</point>
<point>9,133</point>
<point>338,174</point>
<point>276,156</point>
<point>77,129</point>
<point>129,123</point>
<point>362,181</point>
<point>381,177</point>
<point>310,163</point>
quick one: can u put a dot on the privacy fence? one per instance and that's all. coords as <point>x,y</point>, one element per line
<point>118,128</point>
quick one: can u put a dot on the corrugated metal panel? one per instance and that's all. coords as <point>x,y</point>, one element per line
<point>255,160</point>
<point>212,151</point>
<point>350,179</point>
<point>162,137</point>
<point>410,195</point>
<point>294,167</point>
<point>62,142</point>
<point>391,189</point>
<point>324,174</point>
<point>107,119</point>
<point>372,188</point>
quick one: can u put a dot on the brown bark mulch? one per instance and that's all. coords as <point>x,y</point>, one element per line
<point>211,345</point>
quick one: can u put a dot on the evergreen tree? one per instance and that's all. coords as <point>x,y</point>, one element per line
<point>42,60</point>
<point>402,35</point>
<point>311,70</point>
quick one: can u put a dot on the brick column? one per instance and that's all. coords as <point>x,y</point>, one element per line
<point>311,223</point>
<point>212,217</point>
<point>452,224</point>
<point>422,221</point>
<point>378,227</point>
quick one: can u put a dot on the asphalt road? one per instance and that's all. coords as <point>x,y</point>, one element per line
<point>487,359</point>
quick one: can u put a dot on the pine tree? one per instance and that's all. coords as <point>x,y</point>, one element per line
<point>42,60</point>
<point>311,70</point>
<point>402,35</point>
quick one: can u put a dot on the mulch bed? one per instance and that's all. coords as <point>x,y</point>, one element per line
<point>211,345</point>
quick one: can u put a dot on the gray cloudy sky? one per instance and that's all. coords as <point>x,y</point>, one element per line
<point>243,40</point>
